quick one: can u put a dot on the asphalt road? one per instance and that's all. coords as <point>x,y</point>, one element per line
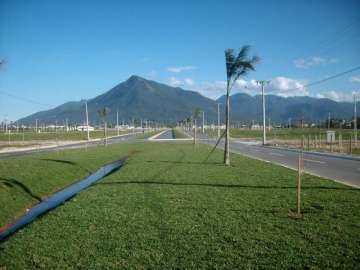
<point>120,139</point>
<point>344,169</point>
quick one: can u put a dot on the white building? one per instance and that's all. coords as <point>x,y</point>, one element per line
<point>85,128</point>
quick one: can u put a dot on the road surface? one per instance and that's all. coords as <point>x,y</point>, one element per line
<point>344,169</point>
<point>113,140</point>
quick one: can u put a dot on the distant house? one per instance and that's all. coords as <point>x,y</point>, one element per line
<point>84,128</point>
<point>256,126</point>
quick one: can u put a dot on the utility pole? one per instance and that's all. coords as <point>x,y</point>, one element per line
<point>36,125</point>
<point>117,121</point>
<point>218,111</point>
<point>203,119</point>
<point>262,83</point>
<point>329,121</point>
<point>87,121</point>
<point>355,119</point>
<point>6,126</point>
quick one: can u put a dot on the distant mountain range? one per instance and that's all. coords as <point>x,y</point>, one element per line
<point>138,98</point>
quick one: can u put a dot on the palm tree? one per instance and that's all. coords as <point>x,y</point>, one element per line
<point>195,115</point>
<point>236,66</point>
<point>102,114</point>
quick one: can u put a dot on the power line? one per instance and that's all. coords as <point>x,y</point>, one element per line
<point>23,99</point>
<point>323,80</point>
<point>332,77</point>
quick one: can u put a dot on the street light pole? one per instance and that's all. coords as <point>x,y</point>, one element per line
<point>262,83</point>
<point>87,121</point>
<point>218,111</point>
<point>117,121</point>
<point>203,119</point>
<point>355,119</point>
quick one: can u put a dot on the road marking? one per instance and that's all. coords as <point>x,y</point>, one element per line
<point>277,154</point>
<point>316,161</point>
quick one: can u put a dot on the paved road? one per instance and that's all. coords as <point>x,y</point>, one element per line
<point>120,139</point>
<point>166,135</point>
<point>345,170</point>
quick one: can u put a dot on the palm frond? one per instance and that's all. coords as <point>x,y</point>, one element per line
<point>243,53</point>
<point>239,65</point>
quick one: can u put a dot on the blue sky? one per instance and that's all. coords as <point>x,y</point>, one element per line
<point>57,51</point>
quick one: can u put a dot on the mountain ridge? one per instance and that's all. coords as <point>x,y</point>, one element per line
<point>138,98</point>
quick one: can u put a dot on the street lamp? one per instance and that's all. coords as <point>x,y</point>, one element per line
<point>355,119</point>
<point>218,111</point>
<point>262,83</point>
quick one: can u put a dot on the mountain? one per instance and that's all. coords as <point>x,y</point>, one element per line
<point>134,99</point>
<point>280,109</point>
<point>140,98</point>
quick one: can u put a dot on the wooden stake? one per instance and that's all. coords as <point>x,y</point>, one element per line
<point>298,201</point>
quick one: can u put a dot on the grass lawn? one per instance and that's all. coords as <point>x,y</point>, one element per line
<point>167,208</point>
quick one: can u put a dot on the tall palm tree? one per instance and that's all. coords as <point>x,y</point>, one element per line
<point>195,115</point>
<point>103,114</point>
<point>236,66</point>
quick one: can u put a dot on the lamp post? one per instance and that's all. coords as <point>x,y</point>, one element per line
<point>87,121</point>
<point>355,119</point>
<point>262,83</point>
<point>203,120</point>
<point>218,124</point>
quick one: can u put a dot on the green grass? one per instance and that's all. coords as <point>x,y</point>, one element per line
<point>61,135</point>
<point>166,208</point>
<point>24,179</point>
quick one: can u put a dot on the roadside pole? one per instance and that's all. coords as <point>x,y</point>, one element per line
<point>203,119</point>
<point>218,111</point>
<point>262,83</point>
<point>298,195</point>
<point>87,121</point>
<point>117,121</point>
<point>355,120</point>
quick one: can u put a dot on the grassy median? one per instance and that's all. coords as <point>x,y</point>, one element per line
<point>169,208</point>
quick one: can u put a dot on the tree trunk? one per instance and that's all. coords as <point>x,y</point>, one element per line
<point>227,127</point>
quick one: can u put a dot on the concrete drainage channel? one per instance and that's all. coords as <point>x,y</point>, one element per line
<point>59,197</point>
<point>167,135</point>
